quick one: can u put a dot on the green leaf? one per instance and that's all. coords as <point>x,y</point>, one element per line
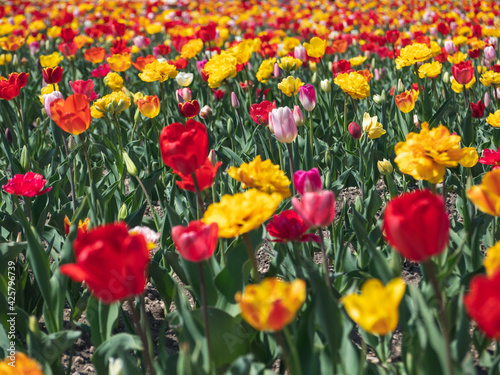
<point>117,346</point>
<point>436,117</point>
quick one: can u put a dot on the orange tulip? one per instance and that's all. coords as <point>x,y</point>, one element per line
<point>406,101</point>
<point>119,62</point>
<point>95,55</point>
<point>141,62</point>
<point>12,42</point>
<point>339,45</point>
<point>486,196</point>
<point>73,114</point>
<point>149,106</point>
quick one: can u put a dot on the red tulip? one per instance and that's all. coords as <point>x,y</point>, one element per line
<point>341,66</point>
<point>101,71</point>
<point>68,49</point>
<point>85,88</point>
<point>197,241</point>
<point>307,181</point>
<point>219,94</point>
<point>483,304</point>
<point>9,89</point>
<point>477,109</point>
<point>184,148</point>
<point>259,112</point>
<point>207,33</point>
<point>474,53</point>
<point>317,209</point>
<point>52,75</point>
<point>490,157</point>
<point>392,36</point>
<point>189,109</point>
<point>111,261</point>
<point>354,130</point>
<point>204,175</point>
<point>26,185</point>
<point>67,34</point>
<point>73,114</point>
<point>289,226</point>
<point>416,224</point>
<point>463,72</point>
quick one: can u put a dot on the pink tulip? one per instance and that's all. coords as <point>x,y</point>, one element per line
<point>354,130</point>
<point>307,181</point>
<point>197,241</point>
<point>49,98</point>
<point>282,124</point>
<point>85,88</point>
<point>184,94</point>
<point>307,97</point>
<point>317,209</point>
<point>235,103</point>
<point>298,116</point>
<point>276,70</point>
<point>299,52</point>
<point>490,53</point>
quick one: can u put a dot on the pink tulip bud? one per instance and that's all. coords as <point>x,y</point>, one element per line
<point>183,95</point>
<point>282,124</point>
<point>449,46</point>
<point>307,181</point>
<point>317,209</point>
<point>299,52</point>
<point>354,130</point>
<point>490,54</point>
<point>34,48</point>
<point>298,116</point>
<point>49,98</point>
<point>307,97</point>
<point>276,70</point>
<point>141,41</point>
<point>487,100</point>
<point>376,74</point>
<point>213,157</point>
<point>200,65</point>
<point>234,101</point>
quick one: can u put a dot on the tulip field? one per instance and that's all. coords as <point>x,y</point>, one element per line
<point>249,187</point>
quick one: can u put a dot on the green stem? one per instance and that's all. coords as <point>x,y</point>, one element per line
<point>290,159</point>
<point>311,138</point>
<point>205,313</point>
<point>71,176</point>
<point>27,200</point>
<point>87,159</point>
<point>292,360</point>
<point>119,130</point>
<point>251,256</point>
<point>345,114</point>
<point>23,130</point>
<point>153,212</point>
<point>326,268</point>
<point>199,196</point>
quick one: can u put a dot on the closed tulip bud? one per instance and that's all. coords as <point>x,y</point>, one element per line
<point>317,209</point>
<point>15,60</point>
<point>123,212</point>
<point>116,366</point>
<point>307,97</point>
<point>149,106</point>
<point>376,74</point>
<point>298,116</point>
<point>137,115</point>
<point>183,94</point>
<point>276,70</point>
<point>24,158</point>
<point>282,124</point>
<point>490,53</point>
<point>131,168</point>
<point>378,99</point>
<point>354,130</point>
<point>314,77</point>
<point>33,325</point>
<point>72,143</point>
<point>8,135</point>
<point>449,47</point>
<point>213,157</point>
<point>234,101</point>
<point>206,112</point>
<point>330,66</point>
<point>487,100</point>
<point>385,167</point>
<point>197,241</point>
<point>415,121</point>
<point>326,86</point>
<point>384,95</point>
<point>401,86</point>
<point>446,78</point>
<point>299,52</point>
<point>184,79</point>
<point>307,181</point>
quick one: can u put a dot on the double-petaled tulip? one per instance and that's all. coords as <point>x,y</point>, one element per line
<point>149,106</point>
<point>85,88</point>
<point>307,181</point>
<point>111,261</point>
<point>307,97</point>
<point>259,112</point>
<point>289,226</point>
<point>272,304</point>
<point>197,241</point>
<point>406,101</point>
<point>26,185</point>
<point>282,124</point>
<point>52,75</point>
<point>48,99</point>
<point>184,94</point>
<point>10,88</point>
<point>189,109</point>
<point>205,176</point>
<point>416,224</point>
<point>95,55</point>
<point>463,72</point>
<point>317,208</point>
<point>184,148</point>
<point>477,109</point>
<point>73,114</point>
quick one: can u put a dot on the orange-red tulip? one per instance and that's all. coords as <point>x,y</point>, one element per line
<point>73,114</point>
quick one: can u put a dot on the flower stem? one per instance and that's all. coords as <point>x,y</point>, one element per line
<point>23,130</point>
<point>466,99</point>
<point>345,114</point>
<point>326,268</point>
<point>153,212</point>
<point>290,159</point>
<point>205,313</point>
<point>72,177</point>
<point>85,151</point>
<point>292,361</point>
<point>311,137</point>
<point>201,208</point>
<point>251,256</point>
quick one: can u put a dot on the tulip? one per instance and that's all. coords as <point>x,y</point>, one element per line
<point>184,79</point>
<point>282,124</point>
<point>189,109</point>
<point>149,106</point>
<point>101,71</point>
<point>378,99</point>
<point>325,86</point>
<point>259,112</point>
<point>34,48</point>
<point>208,32</point>
<point>85,88</point>
<point>206,112</point>
<point>307,97</point>
<point>141,41</point>
<point>416,224</point>
<point>317,209</point>
<point>354,130</point>
<point>299,52</point>
<point>373,128</point>
<point>49,98</point>
<point>289,226</point>
<point>235,103</point>
<point>205,176</point>
<point>52,75</point>
<point>8,135</point>
<point>73,114</point>
<point>276,70</point>
<point>490,54</point>
<point>197,241</point>
<point>26,185</point>
<point>385,167</point>
<point>392,36</point>
<point>298,116</point>
<point>477,109</point>
<point>82,226</point>
<point>10,88</point>
<point>463,72</point>
<point>487,100</point>
<point>406,101</point>
<point>184,94</point>
<point>449,47</point>
<point>486,196</point>
<point>376,74</point>
<point>307,181</point>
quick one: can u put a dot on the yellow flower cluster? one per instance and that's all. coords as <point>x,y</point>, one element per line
<point>426,155</point>
<point>494,119</point>
<point>158,71</point>
<point>113,103</point>
<point>262,175</point>
<point>265,70</point>
<point>219,68</point>
<point>290,85</point>
<point>353,84</point>
<point>430,70</point>
<point>243,51</point>
<point>51,61</point>
<point>191,48</point>
<point>416,52</point>
<point>289,63</point>
<point>489,78</point>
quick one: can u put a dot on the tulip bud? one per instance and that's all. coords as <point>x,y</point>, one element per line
<point>122,214</point>
<point>33,326</point>
<point>376,74</point>
<point>122,105</point>
<point>401,86</point>
<point>313,66</point>
<point>314,78</point>
<point>446,78</point>
<point>378,99</point>
<point>307,97</point>
<point>385,167</point>
<point>354,130</point>
<point>415,121</point>
<point>490,53</point>
<point>299,52</point>
<point>307,181</point>
<point>15,60</point>
<point>330,66</point>
<point>487,100</point>
<point>234,101</point>
<point>449,47</point>
<point>71,143</point>
<point>8,135</point>
<point>137,115</point>
<point>384,95</point>
<point>282,124</point>
<point>326,86</point>
<point>24,158</point>
<point>131,168</point>
<point>183,94</point>
<point>206,112</point>
<point>276,70</point>
<point>229,127</point>
<point>115,366</point>
<point>213,157</point>
<point>298,116</point>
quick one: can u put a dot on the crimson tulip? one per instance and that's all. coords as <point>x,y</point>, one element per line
<point>197,241</point>
<point>52,76</point>
<point>392,36</point>
<point>85,88</point>
<point>307,181</point>
<point>10,88</point>
<point>477,109</point>
<point>204,175</point>
<point>189,109</point>
<point>289,226</point>
<point>26,185</point>
<point>463,72</point>
<point>259,112</point>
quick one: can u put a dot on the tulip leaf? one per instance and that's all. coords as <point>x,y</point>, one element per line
<point>438,115</point>
<point>162,281</point>
<point>9,251</point>
<point>117,346</point>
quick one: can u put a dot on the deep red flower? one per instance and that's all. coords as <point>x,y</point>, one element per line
<point>9,89</point>
<point>85,88</point>
<point>491,157</point>
<point>442,57</point>
<point>179,63</point>
<point>340,66</point>
<point>161,49</point>
<point>52,75</point>
<point>477,31</point>
<point>443,28</point>
<point>262,93</point>
<point>416,224</point>
<point>289,226</point>
<point>111,261</point>
<point>197,241</point>
<point>118,28</point>
<point>474,53</point>
<point>101,71</point>
<point>119,47</point>
<point>207,33</point>
<point>219,94</point>
<point>463,72</point>
<point>184,148</point>
<point>67,35</point>
<point>483,304</point>
<point>26,185</point>
<point>259,112</point>
<point>477,109</point>
<point>189,109</point>
<point>205,176</point>
<point>392,36</point>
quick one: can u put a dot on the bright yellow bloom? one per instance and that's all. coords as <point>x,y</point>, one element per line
<point>95,113</point>
<point>243,51</point>
<point>191,48</point>
<point>241,213</point>
<point>458,88</point>
<point>289,63</point>
<point>457,58</point>
<point>416,52</point>
<point>435,48</point>
<point>430,70</point>
<point>426,155</point>
<point>51,61</point>
<point>23,366</point>
<point>494,119</point>
<point>459,40</point>
<point>290,85</point>
<point>113,81</point>
<point>47,90</point>
<point>316,47</point>
<point>492,260</point>
<point>272,304</point>
<point>5,58</point>
<point>113,103</point>
<point>149,106</point>
<point>373,128</point>
<point>376,309</point>
<point>12,42</point>
<point>358,60</point>
<point>158,71</point>
<point>406,101</point>
<point>353,84</point>
<point>385,167</point>
<point>219,68</point>
<point>289,43</point>
<point>154,28</point>
<point>265,70</point>
<point>486,197</point>
<point>262,175</point>
<point>489,78</point>
<point>54,32</point>
<point>120,62</point>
